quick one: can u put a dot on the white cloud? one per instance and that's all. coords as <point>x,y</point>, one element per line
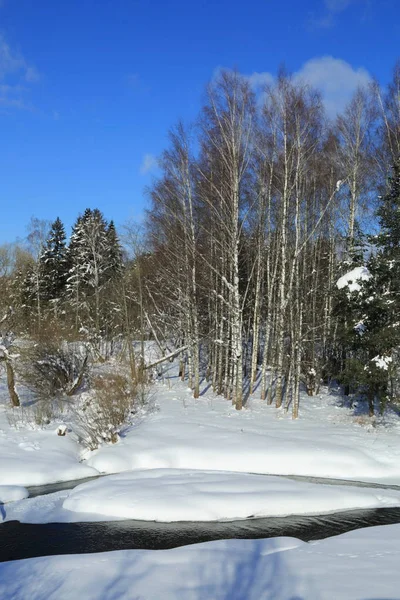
<point>259,80</point>
<point>13,63</point>
<point>31,75</point>
<point>332,9</point>
<point>149,163</point>
<point>15,73</point>
<point>334,77</point>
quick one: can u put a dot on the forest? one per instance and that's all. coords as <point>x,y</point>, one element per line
<point>268,260</point>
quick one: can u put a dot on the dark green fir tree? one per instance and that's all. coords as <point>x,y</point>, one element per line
<point>54,264</point>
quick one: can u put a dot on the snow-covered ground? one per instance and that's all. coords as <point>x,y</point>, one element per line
<point>209,434</point>
<point>31,455</point>
<point>203,460</point>
<point>11,493</point>
<point>360,565</point>
<point>179,495</point>
<point>37,456</point>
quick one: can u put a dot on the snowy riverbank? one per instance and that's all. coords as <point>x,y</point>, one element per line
<point>359,565</point>
<point>191,459</point>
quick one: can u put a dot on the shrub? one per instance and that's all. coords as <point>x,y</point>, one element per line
<point>50,370</point>
<point>109,404</point>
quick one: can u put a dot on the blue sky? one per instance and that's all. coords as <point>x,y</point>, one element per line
<point>89,88</point>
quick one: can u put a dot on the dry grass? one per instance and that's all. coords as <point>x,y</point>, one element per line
<point>364,420</point>
<point>50,370</point>
<point>110,403</point>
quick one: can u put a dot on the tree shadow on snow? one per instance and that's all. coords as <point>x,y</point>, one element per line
<point>245,573</point>
<point>205,390</point>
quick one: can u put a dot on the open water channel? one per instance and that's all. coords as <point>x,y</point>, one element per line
<point>24,540</point>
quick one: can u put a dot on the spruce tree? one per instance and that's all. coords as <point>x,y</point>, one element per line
<point>384,265</point>
<point>373,309</point>
<point>75,269</point>
<point>114,266</point>
<point>53,263</point>
<point>88,269</point>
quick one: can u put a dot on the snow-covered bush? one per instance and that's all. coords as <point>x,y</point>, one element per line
<point>52,370</point>
<point>108,405</point>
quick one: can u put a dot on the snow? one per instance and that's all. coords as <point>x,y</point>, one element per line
<point>351,279</point>
<point>382,362</point>
<point>11,493</point>
<point>359,565</point>
<point>168,495</point>
<point>179,495</point>
<point>33,456</point>
<point>209,434</point>
<point>201,459</point>
<point>360,327</point>
<point>39,457</point>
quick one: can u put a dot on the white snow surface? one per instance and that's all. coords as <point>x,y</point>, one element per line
<point>209,434</point>
<point>33,456</point>
<point>36,457</point>
<point>11,493</point>
<point>168,495</point>
<point>360,565</point>
<point>352,279</point>
<point>178,495</point>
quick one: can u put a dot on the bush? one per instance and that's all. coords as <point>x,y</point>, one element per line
<point>50,370</point>
<point>109,404</point>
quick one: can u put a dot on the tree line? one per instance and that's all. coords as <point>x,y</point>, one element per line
<point>259,208</point>
<point>67,285</point>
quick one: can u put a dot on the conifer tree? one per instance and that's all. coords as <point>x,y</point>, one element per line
<point>75,269</point>
<point>385,267</point>
<point>114,264</point>
<point>53,263</point>
<point>88,274</point>
<point>372,305</point>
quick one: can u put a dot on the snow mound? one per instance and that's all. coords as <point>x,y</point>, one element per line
<point>170,495</point>
<point>352,279</point>
<point>39,457</point>
<point>11,493</point>
<point>200,437</point>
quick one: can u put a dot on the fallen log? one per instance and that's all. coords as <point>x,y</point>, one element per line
<point>167,357</point>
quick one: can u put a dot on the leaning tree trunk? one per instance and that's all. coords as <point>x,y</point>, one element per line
<point>11,383</point>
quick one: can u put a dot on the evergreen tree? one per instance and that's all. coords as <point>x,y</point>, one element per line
<point>371,306</point>
<point>114,261</point>
<point>384,292</point>
<point>88,255</point>
<point>75,270</point>
<point>53,263</point>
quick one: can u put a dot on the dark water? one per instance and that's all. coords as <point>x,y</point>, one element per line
<point>20,540</point>
<point>51,488</point>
